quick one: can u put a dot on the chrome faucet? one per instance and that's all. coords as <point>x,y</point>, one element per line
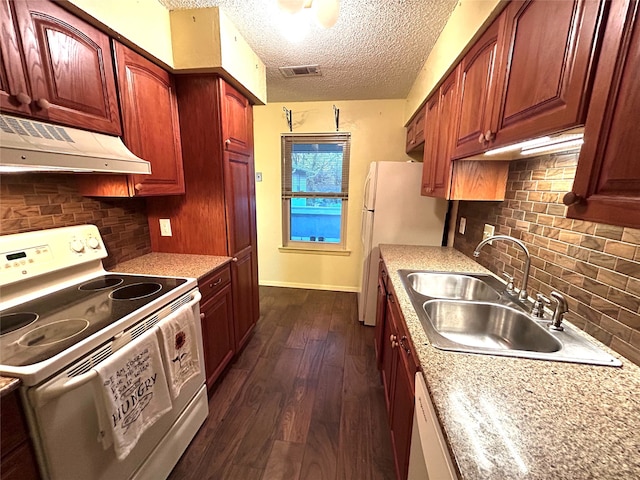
<point>527,263</point>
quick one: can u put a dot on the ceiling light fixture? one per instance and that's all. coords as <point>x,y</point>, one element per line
<point>326,11</point>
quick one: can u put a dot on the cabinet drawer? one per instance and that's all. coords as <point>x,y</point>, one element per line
<point>214,282</point>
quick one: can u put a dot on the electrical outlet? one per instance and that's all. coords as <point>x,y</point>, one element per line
<point>463,225</point>
<point>258,176</point>
<point>489,230</point>
<point>165,227</point>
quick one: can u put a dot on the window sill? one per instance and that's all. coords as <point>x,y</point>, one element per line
<point>315,251</point>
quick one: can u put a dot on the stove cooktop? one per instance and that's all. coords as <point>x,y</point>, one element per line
<point>41,328</point>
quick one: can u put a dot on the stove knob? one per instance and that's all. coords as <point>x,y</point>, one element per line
<point>77,246</point>
<point>93,243</point>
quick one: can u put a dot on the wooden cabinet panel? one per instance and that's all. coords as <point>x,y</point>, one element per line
<point>68,66</point>
<point>14,93</point>
<point>416,131</point>
<point>478,92</point>
<point>381,302</point>
<point>237,121</point>
<point>607,181</point>
<point>550,49</point>
<point>240,188</point>
<point>151,125</point>
<point>245,290</point>
<point>18,459</point>
<point>429,158</point>
<point>217,333</point>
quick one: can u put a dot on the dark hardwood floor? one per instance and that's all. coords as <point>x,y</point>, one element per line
<point>302,401</point>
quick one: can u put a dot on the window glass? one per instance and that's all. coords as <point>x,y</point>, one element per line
<point>315,190</point>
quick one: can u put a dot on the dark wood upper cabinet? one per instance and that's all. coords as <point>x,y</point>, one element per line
<point>607,183</point>
<point>151,131</point>
<point>67,65</point>
<point>478,92</point>
<point>415,131</point>
<point>549,50</point>
<point>237,121</point>
<point>14,93</point>
<point>436,172</point>
<point>151,123</point>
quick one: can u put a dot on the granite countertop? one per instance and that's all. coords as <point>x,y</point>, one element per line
<point>513,418</point>
<point>8,385</point>
<point>172,265</point>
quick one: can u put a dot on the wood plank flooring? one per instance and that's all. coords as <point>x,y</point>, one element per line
<point>302,401</point>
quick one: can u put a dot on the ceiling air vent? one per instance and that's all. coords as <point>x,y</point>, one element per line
<point>301,71</point>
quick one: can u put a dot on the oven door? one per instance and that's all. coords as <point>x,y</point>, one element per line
<point>65,427</point>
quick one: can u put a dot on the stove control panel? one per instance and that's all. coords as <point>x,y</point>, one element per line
<point>30,254</point>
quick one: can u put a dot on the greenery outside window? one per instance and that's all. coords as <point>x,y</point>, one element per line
<point>315,190</point>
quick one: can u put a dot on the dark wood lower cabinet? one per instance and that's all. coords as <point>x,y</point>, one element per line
<point>396,360</point>
<point>244,291</point>
<point>18,458</point>
<point>217,320</point>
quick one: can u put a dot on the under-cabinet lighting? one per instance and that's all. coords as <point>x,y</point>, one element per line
<point>566,144</point>
<point>518,146</point>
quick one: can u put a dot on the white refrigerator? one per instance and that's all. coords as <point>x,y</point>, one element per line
<point>394,212</point>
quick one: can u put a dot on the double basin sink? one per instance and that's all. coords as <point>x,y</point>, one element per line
<point>471,313</point>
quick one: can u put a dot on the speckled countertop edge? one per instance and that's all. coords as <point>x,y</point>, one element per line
<point>8,385</point>
<point>523,419</point>
<point>172,265</point>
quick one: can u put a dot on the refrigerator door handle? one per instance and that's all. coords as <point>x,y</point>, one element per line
<point>367,188</point>
<point>362,226</point>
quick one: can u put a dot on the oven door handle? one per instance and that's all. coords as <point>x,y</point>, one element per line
<point>41,396</point>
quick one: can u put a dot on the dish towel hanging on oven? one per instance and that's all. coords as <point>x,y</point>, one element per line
<point>134,393</point>
<point>180,349</point>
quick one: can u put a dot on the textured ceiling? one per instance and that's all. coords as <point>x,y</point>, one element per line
<point>375,50</point>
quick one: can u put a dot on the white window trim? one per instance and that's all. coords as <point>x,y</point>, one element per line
<point>316,247</point>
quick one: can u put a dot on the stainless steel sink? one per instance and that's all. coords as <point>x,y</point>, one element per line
<point>451,286</point>
<point>488,326</point>
<point>468,312</point>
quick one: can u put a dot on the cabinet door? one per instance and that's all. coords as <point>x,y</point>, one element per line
<point>479,70</point>
<point>416,131</point>
<point>429,158</point>
<point>150,119</point>
<point>441,182</point>
<point>240,202</point>
<point>402,420</point>
<point>237,120</point>
<point>69,67</point>
<point>607,181</point>
<point>217,334</point>
<point>550,47</point>
<point>245,292</point>
<point>14,95</point>
<point>389,358</point>
<point>381,304</point>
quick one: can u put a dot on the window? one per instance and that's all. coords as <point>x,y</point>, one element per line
<point>315,188</point>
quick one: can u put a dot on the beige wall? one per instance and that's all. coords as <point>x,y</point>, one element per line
<point>377,134</point>
<point>143,22</point>
<point>463,26</point>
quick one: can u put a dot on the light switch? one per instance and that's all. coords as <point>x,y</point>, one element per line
<point>165,227</point>
<point>489,230</point>
<point>258,176</point>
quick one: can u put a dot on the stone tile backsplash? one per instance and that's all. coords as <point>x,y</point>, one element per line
<point>40,201</point>
<point>596,266</point>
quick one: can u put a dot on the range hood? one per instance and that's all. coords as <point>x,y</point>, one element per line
<point>33,146</point>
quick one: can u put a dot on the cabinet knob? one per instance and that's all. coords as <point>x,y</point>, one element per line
<point>227,142</point>
<point>234,259</point>
<point>481,139</point>
<point>489,135</point>
<point>23,98</point>
<point>202,316</point>
<point>138,187</point>
<point>572,198</point>
<point>43,103</point>
<point>216,283</point>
